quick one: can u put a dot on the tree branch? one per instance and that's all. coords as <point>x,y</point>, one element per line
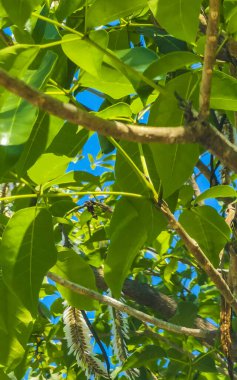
<point>145,295</point>
<point>207,172</point>
<point>201,258</point>
<point>209,58</point>
<point>208,136</point>
<point>198,333</point>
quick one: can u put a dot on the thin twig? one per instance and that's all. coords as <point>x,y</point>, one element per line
<point>195,187</point>
<point>209,58</point>
<point>201,258</point>
<point>199,333</point>
<point>207,172</point>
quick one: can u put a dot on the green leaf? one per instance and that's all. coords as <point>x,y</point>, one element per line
<point>205,363</point>
<point>185,315</point>
<point>111,82</point>
<point>126,178</point>
<point>3,376</point>
<point>223,92</point>
<point>116,111</point>
<point>60,208</point>
<point>151,218</point>
<point>139,58</point>
<point>170,62</point>
<point>66,8</point>
<point>230,13</point>
<point>208,228</point>
<point>48,167</point>
<point>83,53</point>
<point>144,356</point>
<point>28,252</point>
<point>127,237</point>
<point>69,139</point>
<point>166,110</point>
<point>51,135</point>
<point>167,43</point>
<point>134,222</point>
<point>74,178</point>
<point>9,155</point>
<point>19,10</point>
<point>170,269</point>
<point>18,116</point>
<point>17,58</point>
<point>132,63</point>
<point>71,266</point>
<point>220,191</point>
<point>174,164</point>
<point>15,328</point>
<point>104,11</point>
<point>178,17</point>
<point>35,145</point>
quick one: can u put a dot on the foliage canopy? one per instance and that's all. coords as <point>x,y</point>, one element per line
<point>149,217</point>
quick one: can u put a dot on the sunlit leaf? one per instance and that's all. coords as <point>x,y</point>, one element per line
<point>221,191</point>
<point>105,11</point>
<point>90,58</point>
<point>208,228</point>
<point>18,116</point>
<point>28,252</point>
<point>15,327</point>
<point>178,17</point>
<point>73,267</point>
<point>48,167</point>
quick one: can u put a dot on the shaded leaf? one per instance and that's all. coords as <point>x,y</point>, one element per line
<point>143,356</point>
<point>19,10</point>
<point>170,62</point>
<point>66,8</point>
<point>9,155</point>
<point>185,315</point>
<point>205,363</point>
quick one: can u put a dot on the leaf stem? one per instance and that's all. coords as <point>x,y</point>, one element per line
<point>138,172</point>
<point>143,161</point>
<point>60,195</point>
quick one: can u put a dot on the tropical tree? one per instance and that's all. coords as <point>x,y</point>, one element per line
<point>118,189</point>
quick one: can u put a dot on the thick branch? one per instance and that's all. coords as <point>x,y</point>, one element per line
<point>206,135</point>
<point>201,258</point>
<point>198,333</point>
<point>209,58</point>
<point>168,135</point>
